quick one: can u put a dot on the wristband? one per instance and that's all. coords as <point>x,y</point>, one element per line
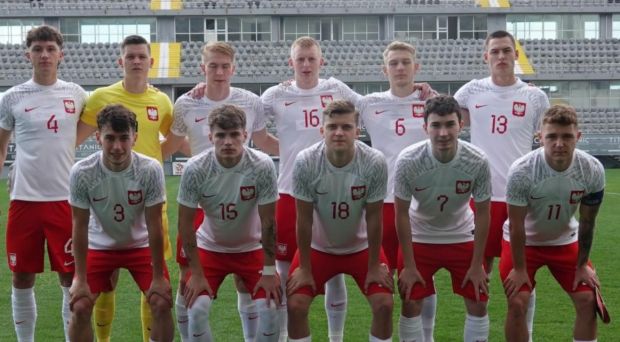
<point>269,270</point>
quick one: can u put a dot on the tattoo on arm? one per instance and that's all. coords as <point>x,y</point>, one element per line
<point>269,240</point>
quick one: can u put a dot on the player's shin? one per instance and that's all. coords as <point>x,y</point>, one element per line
<point>268,328</point>
<point>199,329</point>
<point>24,313</point>
<point>283,268</point>
<point>66,311</point>
<point>336,307</point>
<point>104,315</point>
<point>146,318</point>
<point>429,308</point>
<point>410,329</point>
<point>182,317</point>
<point>531,308</point>
<point>476,328</point>
<point>249,315</point>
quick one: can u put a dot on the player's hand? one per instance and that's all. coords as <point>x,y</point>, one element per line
<point>79,290</point>
<point>271,285</point>
<point>194,286</point>
<point>479,278</point>
<point>514,281</point>
<point>198,91</point>
<point>298,279</point>
<point>161,287</point>
<point>426,92</point>
<point>586,275</point>
<point>407,278</point>
<point>381,275</point>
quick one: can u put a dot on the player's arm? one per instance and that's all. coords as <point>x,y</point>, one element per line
<point>266,142</point>
<point>197,282</point>
<point>476,273</point>
<point>5,137</point>
<point>377,272</point>
<point>268,281</point>
<point>588,210</point>
<point>302,276</point>
<point>159,285</point>
<point>84,131</point>
<point>409,275</point>
<point>518,275</point>
<point>79,288</point>
<point>174,143</point>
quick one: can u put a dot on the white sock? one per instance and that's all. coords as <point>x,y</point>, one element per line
<point>24,313</point>
<point>303,339</point>
<point>268,329</point>
<point>283,268</point>
<point>575,340</point>
<point>336,307</point>
<point>248,314</point>
<point>66,311</point>
<point>476,328</point>
<point>429,308</point>
<point>531,308</point>
<point>376,339</point>
<point>410,329</point>
<point>199,329</point>
<point>182,317</point>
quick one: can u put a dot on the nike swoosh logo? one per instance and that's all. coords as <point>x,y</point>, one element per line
<point>99,199</point>
<point>337,305</point>
<point>19,322</point>
<point>286,104</point>
<point>251,318</point>
<point>30,109</point>
<point>209,196</point>
<point>199,119</point>
<point>536,198</point>
<point>198,335</point>
<point>269,334</point>
<point>69,263</point>
<point>421,189</point>
<point>183,321</point>
<point>102,325</point>
<point>377,112</point>
<point>480,106</point>
<point>320,193</point>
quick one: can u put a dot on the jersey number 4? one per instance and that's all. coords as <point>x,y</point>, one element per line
<point>52,123</point>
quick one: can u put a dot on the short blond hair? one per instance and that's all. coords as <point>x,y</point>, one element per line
<point>218,47</point>
<point>398,46</point>
<point>305,42</point>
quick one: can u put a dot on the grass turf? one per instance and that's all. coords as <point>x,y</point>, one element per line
<point>553,320</point>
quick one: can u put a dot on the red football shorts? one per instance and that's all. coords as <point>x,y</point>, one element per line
<point>430,257</point>
<point>560,260</point>
<point>390,238</point>
<point>216,266</point>
<point>198,218</point>
<point>325,266</point>
<point>286,220</point>
<point>101,264</point>
<point>499,215</point>
<point>29,225</point>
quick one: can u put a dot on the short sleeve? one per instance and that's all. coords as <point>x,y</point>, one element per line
<point>7,120</point>
<point>402,185</point>
<point>378,174</point>
<point>267,183</point>
<point>482,185</point>
<point>179,128</point>
<point>302,172</point>
<point>597,176</point>
<point>155,187</point>
<point>189,188</point>
<point>259,121</point>
<point>78,196</point>
<point>166,120</point>
<point>462,95</point>
<point>519,186</point>
<point>94,104</point>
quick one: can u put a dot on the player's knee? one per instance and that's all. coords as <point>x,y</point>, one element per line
<point>23,280</point>
<point>82,310</point>
<point>268,329</point>
<point>200,309</point>
<point>381,304</point>
<point>159,305</point>
<point>584,301</point>
<point>297,306</point>
<point>517,305</point>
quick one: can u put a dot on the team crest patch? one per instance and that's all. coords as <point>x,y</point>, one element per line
<point>69,106</point>
<point>417,110</point>
<point>152,113</point>
<point>358,192</point>
<point>575,196</point>
<point>247,192</point>
<point>281,248</point>
<point>326,99</point>
<point>463,186</point>
<point>134,196</point>
<point>518,108</point>
<point>13,259</point>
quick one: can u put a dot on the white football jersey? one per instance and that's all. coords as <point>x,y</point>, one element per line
<point>44,119</point>
<point>340,195</point>
<point>117,199</point>
<point>191,116</point>
<point>440,192</point>
<point>298,114</point>
<point>551,197</point>
<point>503,123</point>
<point>393,123</point>
<point>230,198</point>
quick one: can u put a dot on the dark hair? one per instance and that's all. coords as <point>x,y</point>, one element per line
<point>499,34</point>
<point>134,40</point>
<point>227,117</point>
<point>44,33</point>
<point>441,105</point>
<point>118,117</point>
<point>560,114</point>
<point>341,107</point>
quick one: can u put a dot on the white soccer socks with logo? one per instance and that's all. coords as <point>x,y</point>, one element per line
<point>283,268</point>
<point>199,329</point>
<point>248,314</point>
<point>410,329</point>
<point>182,317</point>
<point>24,313</point>
<point>531,308</point>
<point>476,328</point>
<point>336,307</point>
<point>268,327</point>
<point>66,311</point>
<point>429,308</point>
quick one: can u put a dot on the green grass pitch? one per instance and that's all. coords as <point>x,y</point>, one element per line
<point>553,321</point>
